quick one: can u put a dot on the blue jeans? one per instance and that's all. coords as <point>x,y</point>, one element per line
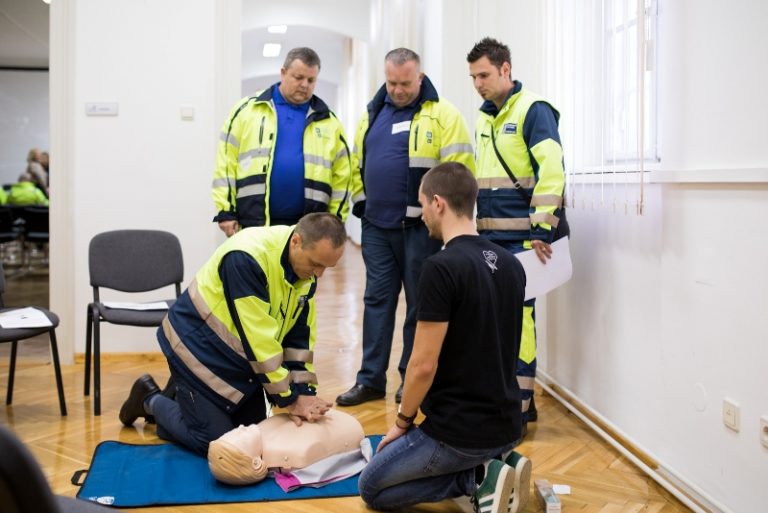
<point>416,468</point>
<point>193,421</point>
<point>392,257</point>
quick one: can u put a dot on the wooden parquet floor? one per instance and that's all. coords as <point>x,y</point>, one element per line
<point>562,448</point>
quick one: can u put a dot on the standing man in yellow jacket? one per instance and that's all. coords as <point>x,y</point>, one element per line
<point>521,179</point>
<point>245,326</point>
<point>282,153</point>
<point>406,130</point>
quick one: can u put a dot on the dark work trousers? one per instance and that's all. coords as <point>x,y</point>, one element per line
<point>193,421</point>
<point>392,258</point>
<point>526,370</point>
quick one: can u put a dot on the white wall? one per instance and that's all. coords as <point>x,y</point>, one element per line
<point>23,119</point>
<point>666,313</point>
<point>145,168</point>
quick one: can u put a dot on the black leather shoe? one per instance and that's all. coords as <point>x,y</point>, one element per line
<point>170,392</point>
<point>133,407</point>
<point>533,414</point>
<point>359,394</point>
<point>399,394</point>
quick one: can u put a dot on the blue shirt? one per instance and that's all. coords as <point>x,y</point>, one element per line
<point>386,165</point>
<point>286,183</point>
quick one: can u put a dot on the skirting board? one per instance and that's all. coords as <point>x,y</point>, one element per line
<point>688,493</point>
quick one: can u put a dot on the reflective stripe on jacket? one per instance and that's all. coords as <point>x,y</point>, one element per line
<point>245,155</point>
<point>438,134</point>
<point>503,213</point>
<point>228,346</point>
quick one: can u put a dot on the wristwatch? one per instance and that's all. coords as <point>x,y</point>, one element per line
<point>405,418</point>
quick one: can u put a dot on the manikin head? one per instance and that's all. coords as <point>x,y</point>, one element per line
<point>235,458</point>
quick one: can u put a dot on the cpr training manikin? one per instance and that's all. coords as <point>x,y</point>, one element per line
<point>313,454</point>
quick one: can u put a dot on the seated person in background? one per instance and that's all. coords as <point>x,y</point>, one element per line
<point>3,196</point>
<point>327,450</point>
<point>36,169</point>
<point>26,193</point>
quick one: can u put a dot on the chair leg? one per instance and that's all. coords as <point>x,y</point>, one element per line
<point>57,370</point>
<point>88,341</point>
<point>96,367</point>
<point>11,372</point>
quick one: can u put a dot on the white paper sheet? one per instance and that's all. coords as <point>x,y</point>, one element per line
<point>542,278</point>
<point>158,305</point>
<point>24,318</point>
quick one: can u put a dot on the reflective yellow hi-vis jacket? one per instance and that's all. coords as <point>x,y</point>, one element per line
<point>245,158</point>
<point>26,194</point>
<point>245,322</point>
<point>437,134</point>
<point>525,130</point>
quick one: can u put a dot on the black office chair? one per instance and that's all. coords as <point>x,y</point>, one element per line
<point>14,335</point>
<point>10,234</point>
<point>36,231</point>
<point>128,261</point>
<point>23,487</point>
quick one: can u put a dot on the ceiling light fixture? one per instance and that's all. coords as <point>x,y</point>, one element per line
<point>271,49</point>
<point>277,29</point>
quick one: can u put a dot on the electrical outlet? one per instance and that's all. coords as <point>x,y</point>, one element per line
<point>764,430</point>
<point>731,414</point>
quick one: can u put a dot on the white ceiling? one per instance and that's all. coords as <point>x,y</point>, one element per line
<point>24,41</point>
<point>24,33</point>
<point>328,45</point>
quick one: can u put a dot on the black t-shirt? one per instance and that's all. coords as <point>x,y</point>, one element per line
<point>478,288</point>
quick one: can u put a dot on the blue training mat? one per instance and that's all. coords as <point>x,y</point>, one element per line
<point>127,475</point>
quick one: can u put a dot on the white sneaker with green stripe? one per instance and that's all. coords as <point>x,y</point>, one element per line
<point>522,481</point>
<point>493,494</point>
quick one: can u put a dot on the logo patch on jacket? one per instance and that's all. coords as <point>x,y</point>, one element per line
<point>429,137</point>
<point>510,128</point>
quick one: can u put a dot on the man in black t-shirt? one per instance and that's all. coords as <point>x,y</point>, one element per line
<point>462,371</point>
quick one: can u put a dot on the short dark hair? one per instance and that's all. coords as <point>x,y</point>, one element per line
<point>496,51</point>
<point>455,183</point>
<point>400,56</point>
<point>306,55</point>
<point>317,226</point>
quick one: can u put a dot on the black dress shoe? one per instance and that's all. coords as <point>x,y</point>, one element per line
<point>533,414</point>
<point>133,407</point>
<point>170,392</point>
<point>359,394</point>
<point>399,394</point>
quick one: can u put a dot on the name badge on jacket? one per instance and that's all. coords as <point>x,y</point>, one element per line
<point>403,126</point>
<point>510,128</point>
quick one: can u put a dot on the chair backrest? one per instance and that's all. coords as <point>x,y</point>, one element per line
<point>135,260</point>
<point>6,221</point>
<point>23,487</point>
<point>35,221</point>
<point>2,283</point>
